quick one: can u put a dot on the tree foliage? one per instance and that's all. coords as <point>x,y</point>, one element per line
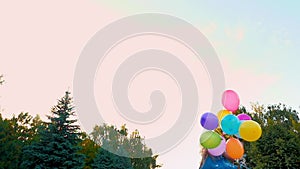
<point>58,144</point>
<point>279,146</point>
<point>89,149</point>
<point>29,142</point>
<point>105,159</point>
<point>10,146</point>
<point>119,143</point>
<point>15,133</point>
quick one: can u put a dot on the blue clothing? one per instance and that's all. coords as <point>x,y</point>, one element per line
<point>217,162</point>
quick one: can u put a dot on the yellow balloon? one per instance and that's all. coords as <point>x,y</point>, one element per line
<point>221,114</point>
<point>250,130</point>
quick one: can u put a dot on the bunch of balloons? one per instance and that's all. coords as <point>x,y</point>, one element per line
<point>235,126</point>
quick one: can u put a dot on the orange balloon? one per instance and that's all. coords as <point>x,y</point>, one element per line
<point>222,113</point>
<point>234,148</point>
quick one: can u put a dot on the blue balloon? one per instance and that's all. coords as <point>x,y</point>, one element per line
<point>238,134</point>
<point>230,124</point>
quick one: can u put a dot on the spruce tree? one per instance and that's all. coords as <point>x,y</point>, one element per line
<point>58,144</point>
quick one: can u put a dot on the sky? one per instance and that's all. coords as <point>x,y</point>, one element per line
<point>256,43</point>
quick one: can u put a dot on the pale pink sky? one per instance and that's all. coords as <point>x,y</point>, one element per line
<point>40,42</point>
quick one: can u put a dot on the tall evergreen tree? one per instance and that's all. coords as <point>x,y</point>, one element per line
<point>58,144</point>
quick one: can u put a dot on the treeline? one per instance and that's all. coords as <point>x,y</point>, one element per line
<point>279,145</point>
<point>28,142</point>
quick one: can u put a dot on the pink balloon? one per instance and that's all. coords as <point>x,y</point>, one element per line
<point>218,150</point>
<point>230,100</point>
<point>244,116</point>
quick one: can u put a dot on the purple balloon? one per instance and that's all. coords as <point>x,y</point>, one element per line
<point>244,116</point>
<point>209,121</point>
<point>218,150</point>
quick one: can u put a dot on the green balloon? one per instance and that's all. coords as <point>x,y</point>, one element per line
<point>210,139</point>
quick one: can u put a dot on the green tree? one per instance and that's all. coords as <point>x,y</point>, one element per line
<point>279,146</point>
<point>58,144</point>
<point>15,133</point>
<point>10,146</point>
<point>121,143</point>
<point>104,160</point>
<point>26,127</point>
<point>112,154</point>
<point>89,149</point>
<point>107,160</point>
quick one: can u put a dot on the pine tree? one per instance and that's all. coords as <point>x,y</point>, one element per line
<point>58,144</point>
